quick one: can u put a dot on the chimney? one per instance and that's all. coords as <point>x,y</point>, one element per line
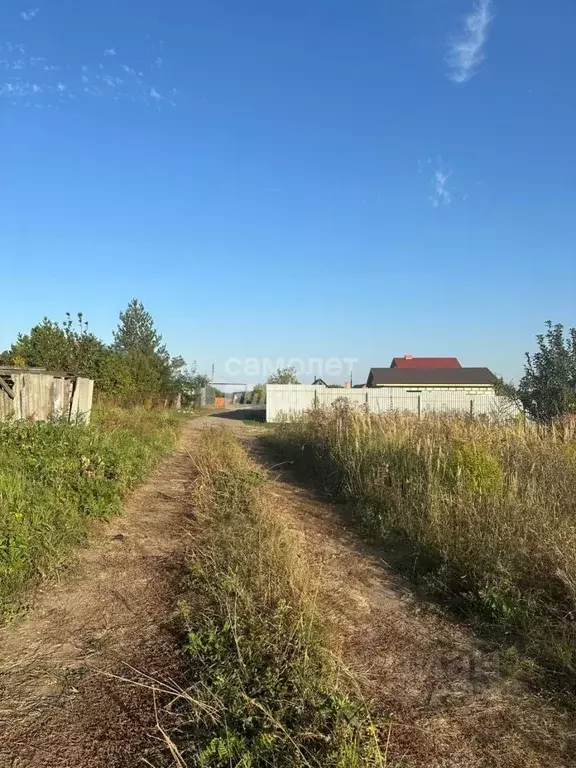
<point>407,357</point>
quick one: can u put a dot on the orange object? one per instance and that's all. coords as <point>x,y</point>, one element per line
<point>220,402</point>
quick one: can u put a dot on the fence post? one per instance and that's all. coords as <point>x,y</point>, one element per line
<point>471,407</point>
<point>419,406</point>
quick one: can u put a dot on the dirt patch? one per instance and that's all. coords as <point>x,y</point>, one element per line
<point>58,707</point>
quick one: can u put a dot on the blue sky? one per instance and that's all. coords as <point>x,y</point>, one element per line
<point>292,178</point>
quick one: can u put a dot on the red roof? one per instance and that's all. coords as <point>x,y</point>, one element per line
<point>425,362</point>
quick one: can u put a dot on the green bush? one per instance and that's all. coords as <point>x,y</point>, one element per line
<point>54,477</point>
<point>471,468</point>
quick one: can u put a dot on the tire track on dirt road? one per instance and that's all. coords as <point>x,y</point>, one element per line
<point>427,675</point>
<point>439,684</point>
<point>57,709</point>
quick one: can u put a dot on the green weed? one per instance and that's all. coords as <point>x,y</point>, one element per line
<point>54,477</point>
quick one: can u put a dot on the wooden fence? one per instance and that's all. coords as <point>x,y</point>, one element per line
<point>40,395</point>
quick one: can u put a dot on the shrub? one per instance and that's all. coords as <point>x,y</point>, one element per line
<point>472,469</point>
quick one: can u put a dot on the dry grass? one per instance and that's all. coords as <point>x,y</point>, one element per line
<point>488,513</point>
<point>262,687</point>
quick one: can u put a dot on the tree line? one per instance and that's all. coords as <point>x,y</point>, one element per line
<point>135,367</point>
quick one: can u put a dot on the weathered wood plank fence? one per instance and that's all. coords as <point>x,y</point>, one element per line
<point>39,395</point>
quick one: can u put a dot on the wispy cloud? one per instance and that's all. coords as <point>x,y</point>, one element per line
<point>14,47</point>
<point>466,51</point>
<point>30,80</point>
<point>30,14</point>
<point>112,81</point>
<point>157,62</point>
<point>441,192</point>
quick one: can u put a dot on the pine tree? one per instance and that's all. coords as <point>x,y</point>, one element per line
<point>139,344</point>
<point>136,332</point>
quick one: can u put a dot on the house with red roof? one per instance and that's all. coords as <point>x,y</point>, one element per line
<point>418,374</point>
<point>424,362</point>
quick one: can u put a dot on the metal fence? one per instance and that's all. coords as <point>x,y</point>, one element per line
<point>286,401</point>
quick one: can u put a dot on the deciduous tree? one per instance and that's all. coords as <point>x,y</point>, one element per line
<point>548,388</point>
<point>284,376</point>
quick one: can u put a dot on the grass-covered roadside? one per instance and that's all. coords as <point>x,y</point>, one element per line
<point>486,514</point>
<point>262,688</point>
<point>55,477</point>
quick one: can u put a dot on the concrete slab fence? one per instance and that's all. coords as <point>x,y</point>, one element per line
<point>291,400</point>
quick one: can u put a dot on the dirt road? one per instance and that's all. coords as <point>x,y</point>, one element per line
<point>441,687</point>
<point>449,704</point>
<point>57,708</point>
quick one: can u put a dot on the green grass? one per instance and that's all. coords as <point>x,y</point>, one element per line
<point>55,477</point>
<point>262,688</point>
<point>484,514</point>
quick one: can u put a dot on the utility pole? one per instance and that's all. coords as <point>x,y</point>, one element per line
<point>212,379</point>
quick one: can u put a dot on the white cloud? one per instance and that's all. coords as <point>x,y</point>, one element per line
<point>113,82</point>
<point>466,50</point>
<point>15,47</point>
<point>440,191</point>
<point>31,80</point>
<point>29,14</point>
<point>21,89</point>
<point>441,194</point>
<point>157,62</point>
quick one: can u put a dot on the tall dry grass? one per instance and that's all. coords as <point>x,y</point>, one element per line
<point>488,513</point>
<point>262,688</point>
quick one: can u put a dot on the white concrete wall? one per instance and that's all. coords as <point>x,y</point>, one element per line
<point>289,400</point>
